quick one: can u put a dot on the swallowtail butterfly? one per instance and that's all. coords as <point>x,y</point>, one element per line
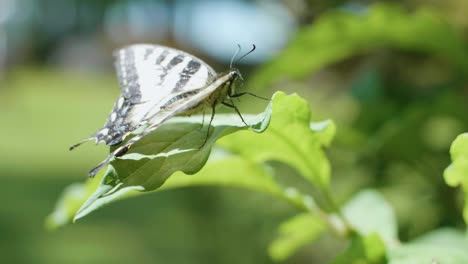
<point>157,83</point>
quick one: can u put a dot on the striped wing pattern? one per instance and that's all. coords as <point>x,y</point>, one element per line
<point>156,83</point>
<point>149,77</point>
<point>184,101</point>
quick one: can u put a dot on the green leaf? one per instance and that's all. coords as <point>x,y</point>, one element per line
<point>175,146</point>
<point>368,249</point>
<point>339,35</point>
<point>172,150</point>
<point>227,170</point>
<point>70,201</point>
<point>374,220</point>
<point>457,173</point>
<point>235,171</point>
<point>290,138</point>
<point>294,234</point>
<point>444,246</point>
<point>368,212</point>
<point>67,205</point>
<point>459,148</point>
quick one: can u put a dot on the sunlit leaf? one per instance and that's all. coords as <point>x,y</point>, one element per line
<point>70,201</point>
<point>457,173</point>
<point>176,146</point>
<point>235,171</point>
<point>290,138</point>
<point>338,35</point>
<point>294,234</point>
<point>444,246</point>
<point>369,249</point>
<point>67,205</point>
<point>172,149</point>
<point>368,212</point>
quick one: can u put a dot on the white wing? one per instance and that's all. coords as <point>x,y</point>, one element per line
<point>184,101</point>
<point>148,72</point>
<point>149,76</point>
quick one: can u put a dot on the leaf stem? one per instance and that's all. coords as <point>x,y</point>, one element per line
<point>347,229</point>
<point>336,220</point>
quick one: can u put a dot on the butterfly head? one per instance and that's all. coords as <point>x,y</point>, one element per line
<point>234,76</point>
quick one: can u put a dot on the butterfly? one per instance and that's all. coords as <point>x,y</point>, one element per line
<point>157,83</point>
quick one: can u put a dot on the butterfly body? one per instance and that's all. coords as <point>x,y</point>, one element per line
<point>158,83</point>
<point>224,88</point>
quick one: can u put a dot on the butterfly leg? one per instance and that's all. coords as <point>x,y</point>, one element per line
<point>244,93</point>
<point>231,105</point>
<point>213,111</point>
<point>120,150</point>
<point>117,153</point>
<point>203,120</point>
<point>96,169</point>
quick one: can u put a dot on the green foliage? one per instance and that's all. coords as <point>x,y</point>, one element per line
<point>290,138</point>
<point>286,121</point>
<point>396,144</point>
<point>176,146</point>
<point>241,162</point>
<point>447,246</point>
<point>380,220</point>
<point>71,200</point>
<point>457,173</point>
<point>166,159</point>
<point>295,233</point>
<point>156,157</point>
<point>368,249</point>
<point>338,35</point>
<point>236,172</point>
<point>376,230</point>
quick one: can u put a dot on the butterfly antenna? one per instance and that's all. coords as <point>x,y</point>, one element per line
<point>243,56</point>
<point>235,55</point>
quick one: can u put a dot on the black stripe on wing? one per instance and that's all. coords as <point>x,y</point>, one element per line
<point>127,74</point>
<point>162,57</point>
<point>148,52</point>
<point>174,62</point>
<point>118,124</point>
<point>117,127</point>
<point>188,72</point>
<point>150,77</point>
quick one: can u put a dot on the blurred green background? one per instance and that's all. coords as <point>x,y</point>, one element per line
<point>393,76</point>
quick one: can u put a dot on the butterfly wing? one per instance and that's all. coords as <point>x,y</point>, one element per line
<point>149,76</point>
<point>146,72</point>
<point>183,102</point>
